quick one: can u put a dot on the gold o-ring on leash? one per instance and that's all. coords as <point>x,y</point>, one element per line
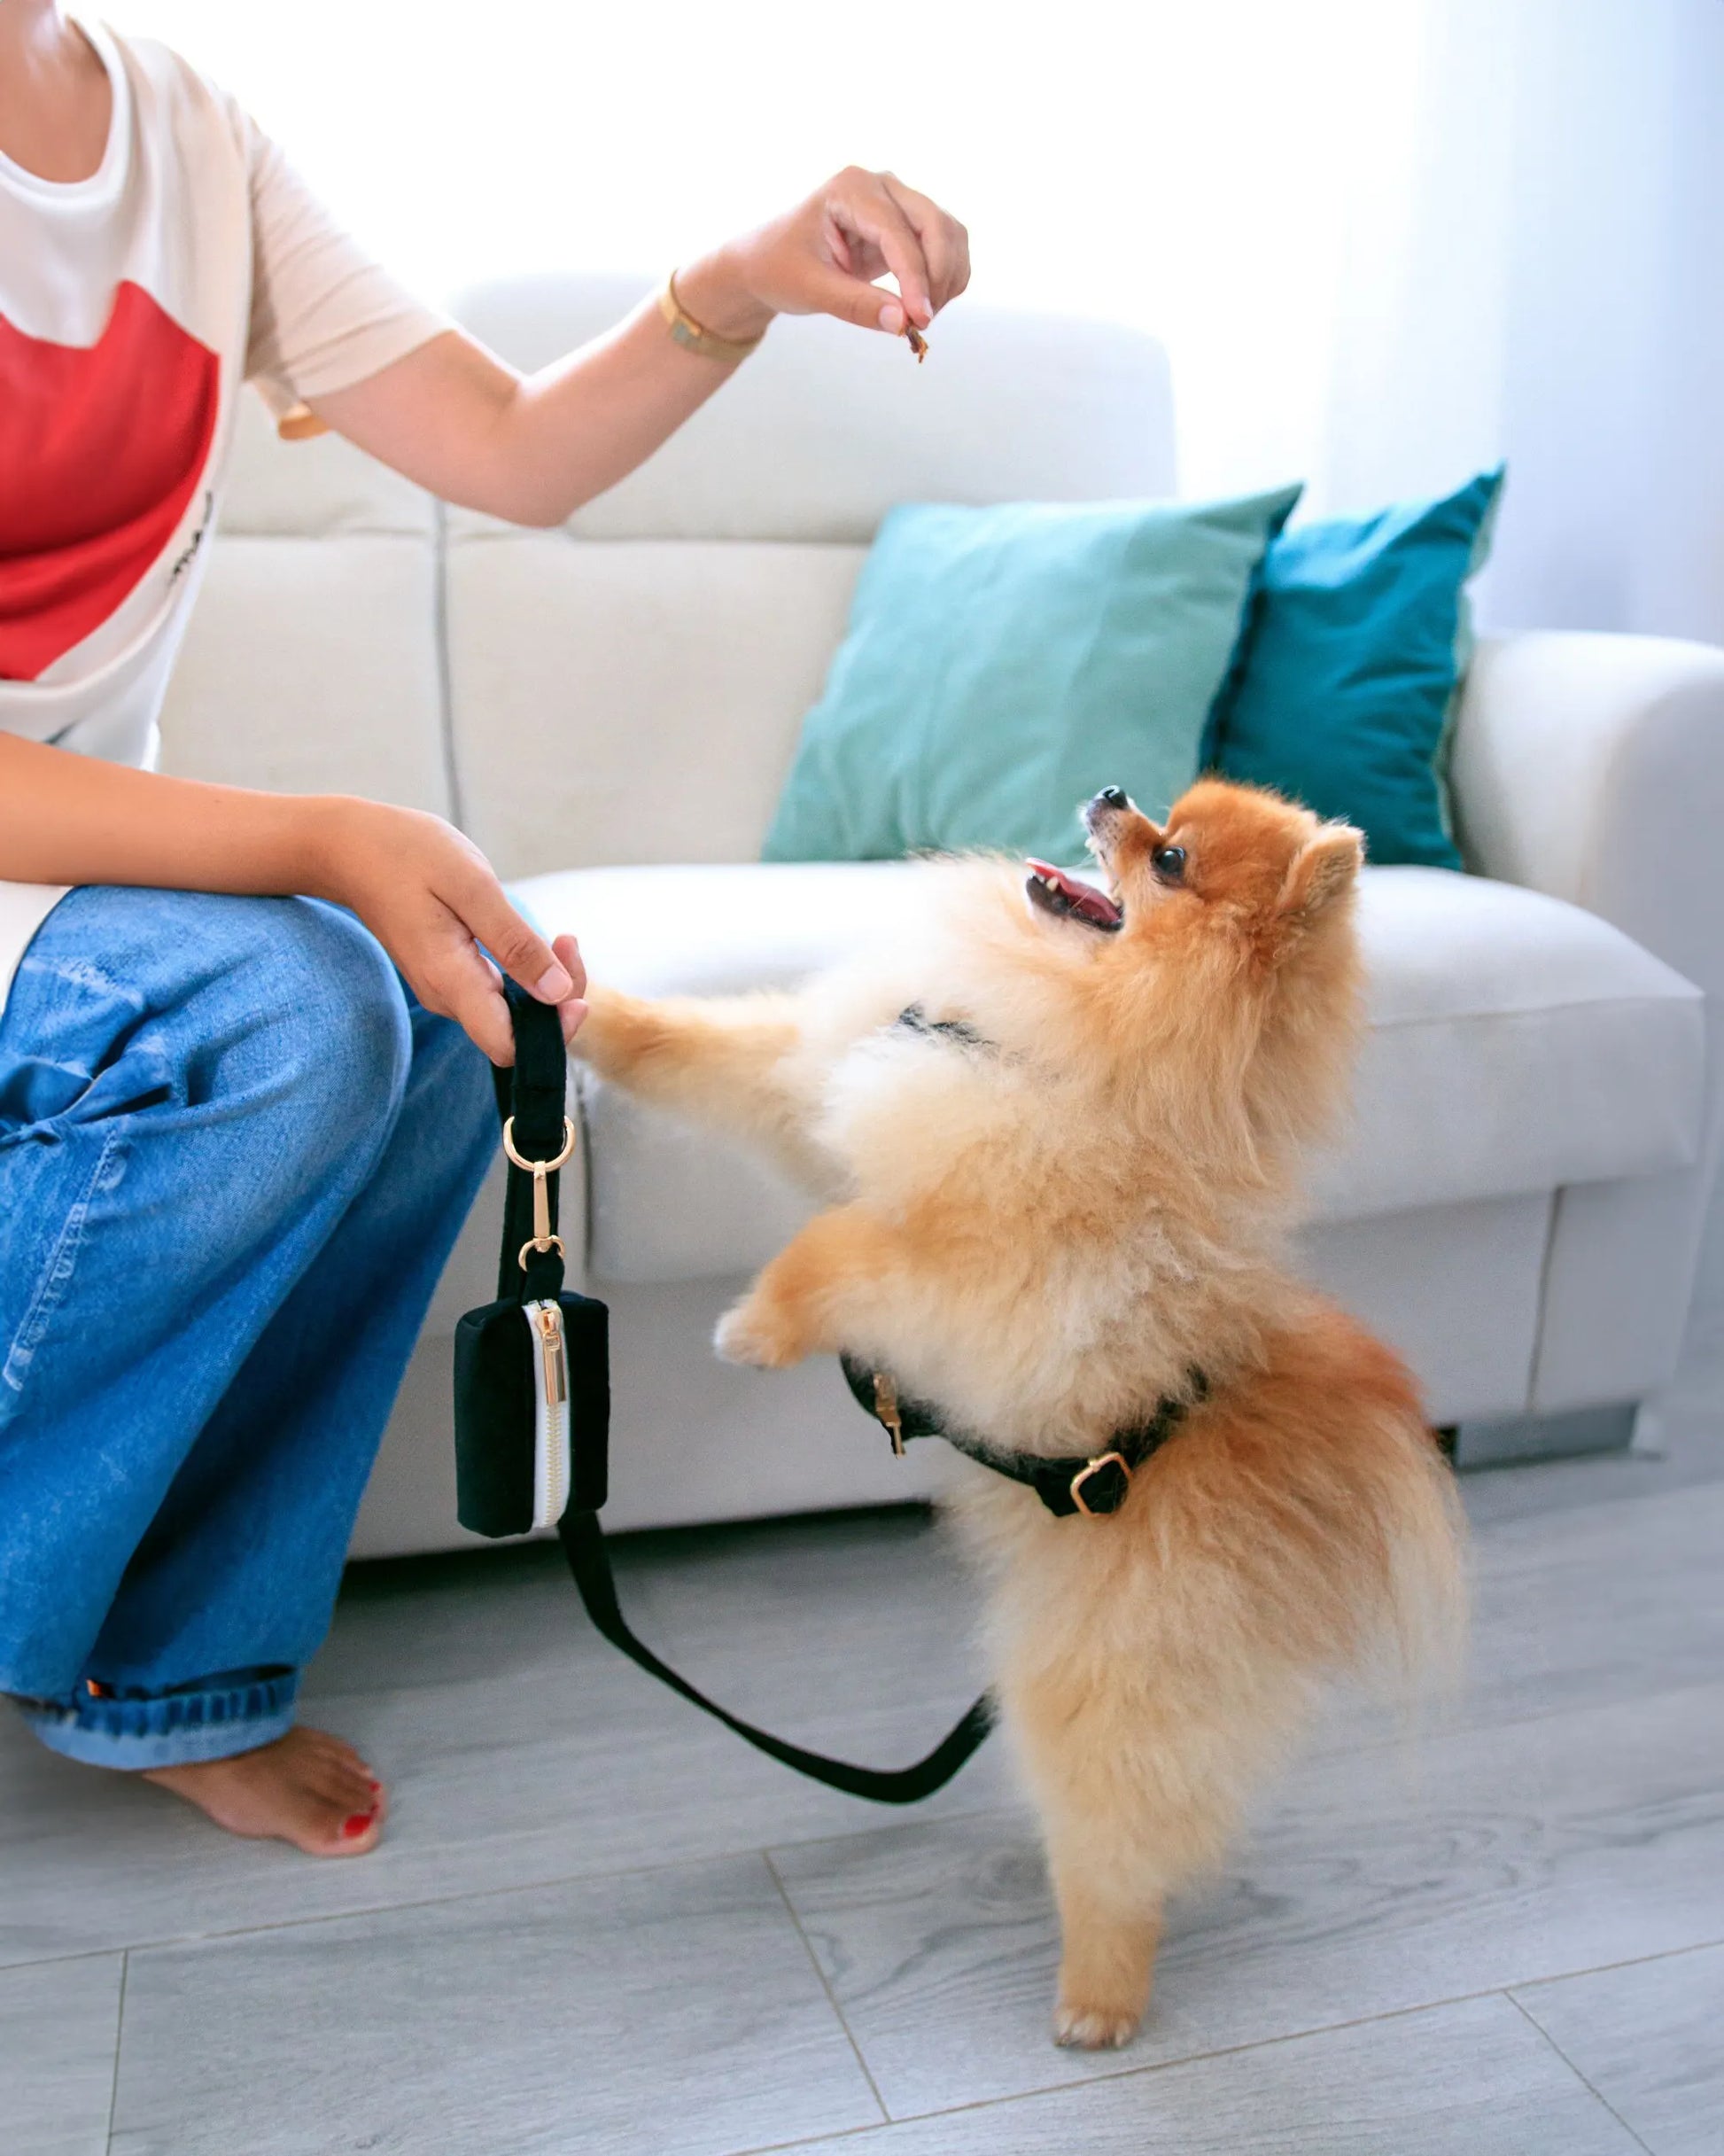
<point>541,1244</point>
<point>540,1167</point>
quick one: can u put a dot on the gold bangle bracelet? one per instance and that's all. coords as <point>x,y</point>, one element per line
<point>694,336</point>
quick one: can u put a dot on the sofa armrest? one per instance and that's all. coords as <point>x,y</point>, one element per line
<point>1592,768</point>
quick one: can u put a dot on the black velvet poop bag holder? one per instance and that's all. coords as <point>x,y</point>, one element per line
<point>532,1408</point>
<point>532,1368</point>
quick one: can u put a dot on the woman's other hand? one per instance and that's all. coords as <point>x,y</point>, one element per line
<point>822,258</point>
<point>432,899</point>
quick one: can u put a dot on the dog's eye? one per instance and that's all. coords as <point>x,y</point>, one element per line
<point>1168,863</point>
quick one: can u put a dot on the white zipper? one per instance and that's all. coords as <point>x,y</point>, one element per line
<point>550,1412</point>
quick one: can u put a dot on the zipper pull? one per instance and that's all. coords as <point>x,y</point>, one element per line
<point>553,1354</point>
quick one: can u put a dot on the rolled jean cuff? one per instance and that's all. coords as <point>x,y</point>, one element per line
<point>238,1712</point>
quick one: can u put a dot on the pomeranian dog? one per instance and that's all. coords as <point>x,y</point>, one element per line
<point>1056,1133</point>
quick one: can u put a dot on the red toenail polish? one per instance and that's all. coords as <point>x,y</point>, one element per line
<point>351,1828</point>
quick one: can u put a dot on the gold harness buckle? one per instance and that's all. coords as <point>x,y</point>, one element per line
<point>1101,1460</point>
<point>541,1239</point>
<point>886,1411</point>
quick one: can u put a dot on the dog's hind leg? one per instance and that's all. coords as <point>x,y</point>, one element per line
<point>1109,1929</point>
<point>731,1063</point>
<point>1107,1858</point>
<point>1136,1786</point>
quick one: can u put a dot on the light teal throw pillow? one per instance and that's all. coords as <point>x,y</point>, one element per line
<point>1003,665</point>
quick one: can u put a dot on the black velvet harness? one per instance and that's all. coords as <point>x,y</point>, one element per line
<point>1094,1485</point>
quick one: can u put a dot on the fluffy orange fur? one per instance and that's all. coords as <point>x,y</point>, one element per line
<point>1045,1236</point>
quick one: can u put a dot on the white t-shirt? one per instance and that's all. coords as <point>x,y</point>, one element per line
<point>133,307</point>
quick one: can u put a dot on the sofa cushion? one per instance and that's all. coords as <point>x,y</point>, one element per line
<point>1517,1044</point>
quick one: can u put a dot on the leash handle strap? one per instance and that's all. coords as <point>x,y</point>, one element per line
<point>533,1092</point>
<point>532,1095</point>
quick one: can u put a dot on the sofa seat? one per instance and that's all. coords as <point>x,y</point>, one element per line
<point>1528,1043</point>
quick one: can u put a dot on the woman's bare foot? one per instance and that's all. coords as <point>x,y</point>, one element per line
<point>306,1788</point>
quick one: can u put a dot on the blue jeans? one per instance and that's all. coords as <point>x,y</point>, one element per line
<point>234,1153</point>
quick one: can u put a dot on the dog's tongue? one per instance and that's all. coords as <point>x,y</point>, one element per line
<point>1080,897</point>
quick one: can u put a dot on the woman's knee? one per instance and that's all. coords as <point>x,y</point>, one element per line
<point>304,1005</point>
<point>130,998</point>
<point>284,1006</point>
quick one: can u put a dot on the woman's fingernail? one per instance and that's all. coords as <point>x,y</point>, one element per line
<point>891,318</point>
<point>351,1828</point>
<point>553,985</point>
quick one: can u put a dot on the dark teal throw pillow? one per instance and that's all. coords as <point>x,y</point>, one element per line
<point>1345,687</point>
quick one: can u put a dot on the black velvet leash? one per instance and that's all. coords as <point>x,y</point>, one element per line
<point>589,1561</point>
<point>533,1093</point>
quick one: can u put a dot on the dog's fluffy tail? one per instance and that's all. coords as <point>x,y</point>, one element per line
<point>1303,1526</point>
<point>1316,1484</point>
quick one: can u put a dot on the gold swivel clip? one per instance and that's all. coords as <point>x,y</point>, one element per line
<point>541,1238</point>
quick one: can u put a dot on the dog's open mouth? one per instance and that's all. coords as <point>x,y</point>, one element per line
<point>1069,898</point>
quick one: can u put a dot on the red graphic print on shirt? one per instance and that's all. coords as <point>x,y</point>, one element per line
<point>101,448</point>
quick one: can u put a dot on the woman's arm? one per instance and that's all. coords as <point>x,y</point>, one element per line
<point>455,419</point>
<point>429,897</point>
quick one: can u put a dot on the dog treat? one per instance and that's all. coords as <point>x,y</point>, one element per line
<point>918,343</point>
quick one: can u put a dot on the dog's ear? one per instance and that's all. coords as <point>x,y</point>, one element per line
<point>1324,869</point>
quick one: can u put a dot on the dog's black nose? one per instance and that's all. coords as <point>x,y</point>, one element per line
<point>1112,797</point>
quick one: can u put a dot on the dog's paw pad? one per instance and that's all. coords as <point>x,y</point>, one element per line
<point>1093,2028</point>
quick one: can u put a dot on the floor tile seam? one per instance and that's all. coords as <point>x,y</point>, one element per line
<point>168,1940</point>
<point>60,1961</point>
<point>472,1893</point>
<point>937,1709</point>
<point>1597,2094</point>
<point>1019,1811</point>
<point>1158,2066</point>
<point>1375,1749</point>
<point>1607,1968</point>
<point>1435,1728</point>
<point>118,2037</point>
<point>807,2141</point>
<point>831,1996</point>
<point>1535,1515</point>
<point>1123,2073</point>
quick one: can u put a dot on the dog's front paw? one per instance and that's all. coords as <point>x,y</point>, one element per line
<point>1082,2027</point>
<point>752,1333</point>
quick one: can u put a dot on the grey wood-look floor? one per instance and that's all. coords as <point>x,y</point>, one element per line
<point>599,1924</point>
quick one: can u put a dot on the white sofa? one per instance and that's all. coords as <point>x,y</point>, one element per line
<point>608,708</point>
